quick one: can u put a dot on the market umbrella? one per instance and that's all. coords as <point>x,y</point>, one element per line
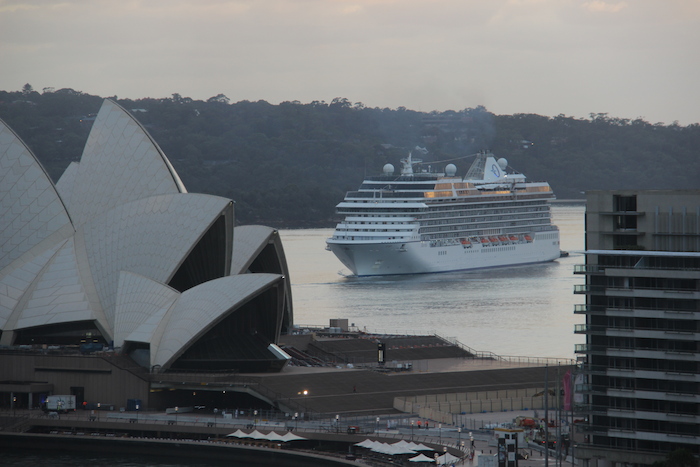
<point>238,434</point>
<point>382,448</point>
<point>391,449</point>
<point>273,436</point>
<point>289,436</point>
<point>421,458</point>
<point>368,443</point>
<point>447,458</point>
<point>255,434</point>
<point>421,447</point>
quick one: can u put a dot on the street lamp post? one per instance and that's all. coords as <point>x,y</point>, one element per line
<point>296,421</point>
<point>411,430</point>
<point>440,432</point>
<point>337,423</point>
<point>14,406</point>
<point>137,412</point>
<point>216,411</point>
<point>176,410</point>
<point>376,425</point>
<point>255,419</point>
<point>459,434</point>
<point>98,411</point>
<point>444,454</point>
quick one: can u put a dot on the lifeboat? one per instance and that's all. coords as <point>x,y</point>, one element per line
<point>528,238</point>
<point>485,240</point>
<point>493,239</point>
<point>503,238</point>
<point>513,238</point>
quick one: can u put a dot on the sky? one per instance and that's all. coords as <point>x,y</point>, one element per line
<point>630,59</point>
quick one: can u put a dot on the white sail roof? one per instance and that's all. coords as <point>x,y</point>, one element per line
<point>120,244</point>
<point>199,309</point>
<point>31,210</point>
<point>137,166</point>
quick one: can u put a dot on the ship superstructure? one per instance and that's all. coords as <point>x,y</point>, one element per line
<point>421,222</point>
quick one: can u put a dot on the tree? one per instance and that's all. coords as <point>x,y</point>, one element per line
<point>221,98</point>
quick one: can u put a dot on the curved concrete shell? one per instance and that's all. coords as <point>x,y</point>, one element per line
<point>118,253</point>
<point>32,213</point>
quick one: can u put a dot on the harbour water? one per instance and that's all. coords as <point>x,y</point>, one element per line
<point>514,311</point>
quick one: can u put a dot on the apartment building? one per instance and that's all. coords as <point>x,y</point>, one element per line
<point>640,365</point>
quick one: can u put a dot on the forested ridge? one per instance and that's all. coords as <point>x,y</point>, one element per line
<point>288,165</point>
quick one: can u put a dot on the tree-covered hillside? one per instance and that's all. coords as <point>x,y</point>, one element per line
<point>288,165</point>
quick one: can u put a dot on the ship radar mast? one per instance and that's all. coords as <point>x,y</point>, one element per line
<point>408,163</point>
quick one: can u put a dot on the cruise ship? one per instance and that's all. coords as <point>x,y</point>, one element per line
<point>420,221</point>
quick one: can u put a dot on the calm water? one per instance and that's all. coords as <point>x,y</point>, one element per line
<point>521,310</point>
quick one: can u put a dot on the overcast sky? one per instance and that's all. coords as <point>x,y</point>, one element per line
<point>630,59</point>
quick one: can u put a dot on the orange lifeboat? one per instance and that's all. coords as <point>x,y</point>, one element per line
<point>513,238</point>
<point>528,238</point>
<point>503,239</point>
<point>493,239</point>
<point>484,240</point>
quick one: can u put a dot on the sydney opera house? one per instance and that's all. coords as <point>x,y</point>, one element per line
<point>117,257</point>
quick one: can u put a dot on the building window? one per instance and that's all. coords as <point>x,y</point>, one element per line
<point>624,203</point>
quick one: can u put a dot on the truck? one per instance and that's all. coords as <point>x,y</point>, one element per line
<point>60,404</point>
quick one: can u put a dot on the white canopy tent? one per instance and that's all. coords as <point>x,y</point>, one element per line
<point>421,458</point>
<point>238,434</point>
<point>289,436</point>
<point>368,444</point>
<point>420,447</point>
<point>255,434</point>
<point>271,436</point>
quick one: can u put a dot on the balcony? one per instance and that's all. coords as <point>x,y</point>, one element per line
<point>580,309</point>
<point>636,312</point>
<point>649,394</point>
<point>593,369</point>
<point>655,354</point>
<point>649,415</point>
<point>652,374</point>
<point>588,269</point>
<point>589,329</point>
<point>588,289</point>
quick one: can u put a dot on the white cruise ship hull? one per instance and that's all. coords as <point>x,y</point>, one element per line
<point>424,222</point>
<point>419,257</point>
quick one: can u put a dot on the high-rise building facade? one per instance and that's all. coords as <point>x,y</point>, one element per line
<point>640,391</point>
